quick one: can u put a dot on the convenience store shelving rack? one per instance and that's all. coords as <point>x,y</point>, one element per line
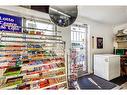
<point>120,48</point>
<point>11,40</point>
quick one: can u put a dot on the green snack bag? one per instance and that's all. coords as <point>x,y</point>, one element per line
<point>12,71</point>
<point>18,64</point>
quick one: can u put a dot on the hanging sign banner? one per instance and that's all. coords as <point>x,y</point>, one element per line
<point>10,23</point>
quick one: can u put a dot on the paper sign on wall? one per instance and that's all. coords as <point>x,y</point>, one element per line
<point>10,23</point>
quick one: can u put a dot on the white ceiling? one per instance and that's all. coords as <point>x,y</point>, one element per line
<point>105,14</point>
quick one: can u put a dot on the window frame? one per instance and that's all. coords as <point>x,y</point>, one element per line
<point>40,21</point>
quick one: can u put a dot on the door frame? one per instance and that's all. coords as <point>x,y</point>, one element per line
<point>88,47</point>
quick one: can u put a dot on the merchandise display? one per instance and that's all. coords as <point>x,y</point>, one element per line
<point>121,49</point>
<point>32,60</point>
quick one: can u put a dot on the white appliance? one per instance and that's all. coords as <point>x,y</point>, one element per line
<point>107,66</point>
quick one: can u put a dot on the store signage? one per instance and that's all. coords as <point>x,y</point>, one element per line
<point>10,23</point>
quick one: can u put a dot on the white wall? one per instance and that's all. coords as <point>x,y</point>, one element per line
<point>100,30</point>
<point>96,29</point>
<point>66,35</point>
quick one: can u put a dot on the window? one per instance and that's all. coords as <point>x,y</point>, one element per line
<point>78,33</point>
<point>79,48</point>
<point>47,28</point>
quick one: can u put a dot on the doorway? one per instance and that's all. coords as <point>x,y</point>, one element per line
<point>79,48</point>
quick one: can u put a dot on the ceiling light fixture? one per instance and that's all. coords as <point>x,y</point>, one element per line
<point>60,12</point>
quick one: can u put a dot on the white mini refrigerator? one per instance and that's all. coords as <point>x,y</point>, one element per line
<point>107,66</point>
